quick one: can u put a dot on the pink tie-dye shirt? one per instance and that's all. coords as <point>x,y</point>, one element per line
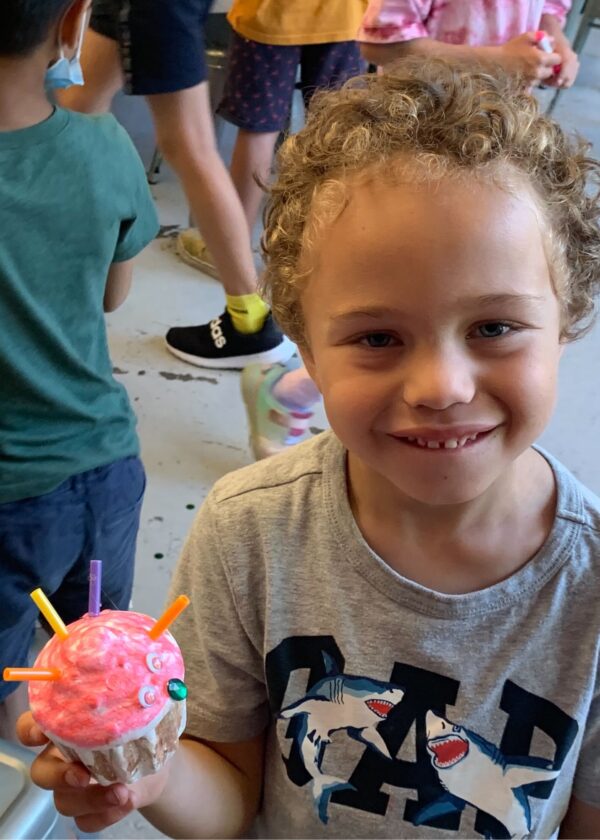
<point>473,22</point>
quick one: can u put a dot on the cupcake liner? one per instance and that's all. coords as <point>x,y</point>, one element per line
<point>143,753</point>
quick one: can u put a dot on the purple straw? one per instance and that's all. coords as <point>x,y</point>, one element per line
<point>95,585</point>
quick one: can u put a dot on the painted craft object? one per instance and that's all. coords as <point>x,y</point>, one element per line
<point>108,689</point>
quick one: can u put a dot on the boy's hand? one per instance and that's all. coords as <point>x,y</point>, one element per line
<point>76,794</point>
<point>523,57</point>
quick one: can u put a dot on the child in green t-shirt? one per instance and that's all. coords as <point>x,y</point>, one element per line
<point>74,211</point>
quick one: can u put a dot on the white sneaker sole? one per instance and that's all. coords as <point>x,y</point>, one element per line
<point>284,351</point>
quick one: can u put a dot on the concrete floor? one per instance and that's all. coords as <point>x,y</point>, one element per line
<point>191,421</point>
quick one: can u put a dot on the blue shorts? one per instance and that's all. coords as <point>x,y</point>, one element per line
<point>48,542</point>
<point>261,79</point>
<point>161,41</point>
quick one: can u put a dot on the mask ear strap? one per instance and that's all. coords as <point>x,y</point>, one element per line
<point>82,31</point>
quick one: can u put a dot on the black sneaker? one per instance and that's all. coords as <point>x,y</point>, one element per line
<point>219,345</point>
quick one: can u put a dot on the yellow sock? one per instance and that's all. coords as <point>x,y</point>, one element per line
<point>248,312</point>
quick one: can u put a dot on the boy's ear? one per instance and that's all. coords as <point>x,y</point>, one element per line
<point>73,22</point>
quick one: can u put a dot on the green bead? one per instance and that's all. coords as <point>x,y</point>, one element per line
<point>177,689</point>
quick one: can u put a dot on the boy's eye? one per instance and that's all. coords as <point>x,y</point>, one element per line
<point>494,329</point>
<point>377,340</point>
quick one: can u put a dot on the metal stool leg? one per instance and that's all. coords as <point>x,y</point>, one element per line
<point>554,101</point>
<point>590,20</point>
<point>154,168</point>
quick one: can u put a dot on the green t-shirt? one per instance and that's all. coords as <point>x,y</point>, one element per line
<point>73,200</point>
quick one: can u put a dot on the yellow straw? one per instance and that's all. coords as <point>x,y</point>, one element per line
<point>168,617</point>
<point>21,674</point>
<point>49,613</point>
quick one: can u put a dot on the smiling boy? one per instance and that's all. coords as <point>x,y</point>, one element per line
<point>395,629</point>
<point>435,381</point>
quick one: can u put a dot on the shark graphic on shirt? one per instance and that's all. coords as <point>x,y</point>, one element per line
<point>475,772</point>
<point>339,702</point>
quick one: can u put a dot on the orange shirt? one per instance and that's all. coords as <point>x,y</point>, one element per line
<point>297,22</point>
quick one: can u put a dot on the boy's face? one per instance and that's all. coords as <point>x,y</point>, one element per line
<point>430,319</point>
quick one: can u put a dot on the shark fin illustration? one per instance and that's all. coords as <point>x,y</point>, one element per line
<point>441,807</point>
<point>372,738</point>
<point>517,776</point>
<point>324,788</point>
<point>331,668</point>
<point>301,707</point>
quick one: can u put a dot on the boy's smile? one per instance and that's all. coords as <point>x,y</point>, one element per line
<point>433,333</point>
<point>445,438</point>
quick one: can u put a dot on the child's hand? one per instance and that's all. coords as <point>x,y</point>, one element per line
<point>76,794</point>
<point>523,57</point>
<point>569,62</point>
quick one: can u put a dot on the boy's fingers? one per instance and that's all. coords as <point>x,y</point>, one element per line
<point>29,733</point>
<point>93,801</point>
<point>50,771</point>
<point>93,823</point>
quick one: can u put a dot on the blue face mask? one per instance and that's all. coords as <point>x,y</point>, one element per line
<point>66,72</point>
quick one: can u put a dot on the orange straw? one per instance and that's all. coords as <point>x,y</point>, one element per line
<point>21,674</point>
<point>49,613</point>
<point>168,617</point>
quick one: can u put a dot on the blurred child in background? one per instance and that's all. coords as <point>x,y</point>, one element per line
<point>271,40</point>
<point>155,49</point>
<point>501,32</point>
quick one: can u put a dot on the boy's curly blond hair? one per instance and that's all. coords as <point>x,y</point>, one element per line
<point>430,119</point>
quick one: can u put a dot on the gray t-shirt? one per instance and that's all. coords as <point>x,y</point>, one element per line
<point>392,710</point>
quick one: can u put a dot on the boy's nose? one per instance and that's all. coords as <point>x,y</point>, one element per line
<point>438,380</point>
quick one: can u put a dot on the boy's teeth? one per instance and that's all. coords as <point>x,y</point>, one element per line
<point>451,443</point>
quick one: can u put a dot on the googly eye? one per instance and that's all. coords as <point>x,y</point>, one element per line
<point>154,662</point>
<point>177,689</point>
<point>147,696</point>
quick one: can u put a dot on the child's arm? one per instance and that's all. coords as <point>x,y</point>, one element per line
<point>519,56</point>
<point>206,790</point>
<point>569,66</point>
<point>118,285</point>
<point>582,822</point>
<point>213,790</point>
